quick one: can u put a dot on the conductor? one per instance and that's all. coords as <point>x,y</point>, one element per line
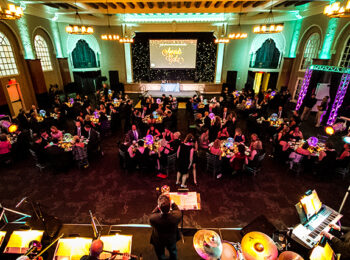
<point>164,220</point>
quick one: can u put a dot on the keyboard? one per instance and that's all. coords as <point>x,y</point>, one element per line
<point>309,234</point>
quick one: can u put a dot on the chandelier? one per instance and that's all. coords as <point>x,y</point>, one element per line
<point>126,40</point>
<point>79,28</point>
<point>336,11</point>
<point>222,40</point>
<point>269,26</point>
<point>238,35</point>
<point>12,12</point>
<point>109,36</point>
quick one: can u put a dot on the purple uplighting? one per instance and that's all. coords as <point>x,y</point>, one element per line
<point>304,88</point>
<point>338,101</point>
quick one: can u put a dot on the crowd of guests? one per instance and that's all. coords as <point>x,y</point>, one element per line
<point>212,121</point>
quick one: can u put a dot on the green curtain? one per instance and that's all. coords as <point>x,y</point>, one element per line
<point>83,56</point>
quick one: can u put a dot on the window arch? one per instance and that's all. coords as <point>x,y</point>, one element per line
<point>8,66</point>
<point>42,53</point>
<point>310,51</point>
<point>345,56</point>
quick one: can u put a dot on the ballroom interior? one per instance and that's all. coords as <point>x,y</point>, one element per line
<point>101,80</point>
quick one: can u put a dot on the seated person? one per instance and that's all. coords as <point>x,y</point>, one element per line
<point>5,149</point>
<point>55,133</point>
<point>329,155</point>
<point>79,150</point>
<point>296,134</point>
<point>153,131</point>
<point>298,155</point>
<point>198,122</point>
<point>339,241</point>
<point>39,148</point>
<point>344,159</point>
<point>216,148</point>
<point>223,134</point>
<point>204,139</point>
<point>168,135</point>
<point>140,154</point>
<point>239,159</point>
<point>255,151</point>
<point>239,137</point>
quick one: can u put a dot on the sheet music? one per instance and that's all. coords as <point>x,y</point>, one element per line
<point>185,201</point>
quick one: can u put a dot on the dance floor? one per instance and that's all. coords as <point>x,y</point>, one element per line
<point>118,197</point>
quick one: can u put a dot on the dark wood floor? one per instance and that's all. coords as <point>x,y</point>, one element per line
<point>117,197</point>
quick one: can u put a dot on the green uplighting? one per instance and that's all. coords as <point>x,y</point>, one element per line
<point>330,69</point>
<point>57,40</point>
<point>24,33</point>
<point>219,60</point>
<point>329,38</point>
<point>296,34</point>
<point>127,48</point>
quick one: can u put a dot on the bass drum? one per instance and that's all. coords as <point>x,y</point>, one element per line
<point>228,252</point>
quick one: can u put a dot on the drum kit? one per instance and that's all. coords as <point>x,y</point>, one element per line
<point>254,246</point>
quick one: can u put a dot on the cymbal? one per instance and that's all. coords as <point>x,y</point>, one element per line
<point>207,244</point>
<point>289,255</point>
<point>228,252</point>
<point>257,245</point>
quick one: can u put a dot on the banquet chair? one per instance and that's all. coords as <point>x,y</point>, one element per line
<point>105,128</point>
<point>213,164</point>
<point>39,165</point>
<point>257,168</point>
<point>171,164</point>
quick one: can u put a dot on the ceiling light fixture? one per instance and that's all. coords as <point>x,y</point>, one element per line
<point>239,35</point>
<point>269,26</point>
<point>12,12</point>
<point>335,10</point>
<point>109,36</point>
<point>126,40</point>
<point>79,28</point>
<point>222,40</point>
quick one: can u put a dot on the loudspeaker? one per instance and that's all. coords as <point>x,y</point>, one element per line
<point>261,224</point>
<point>231,78</point>
<point>114,79</point>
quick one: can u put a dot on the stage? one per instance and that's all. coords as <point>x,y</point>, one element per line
<point>177,89</point>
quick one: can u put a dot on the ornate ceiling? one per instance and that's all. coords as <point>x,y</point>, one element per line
<point>168,11</point>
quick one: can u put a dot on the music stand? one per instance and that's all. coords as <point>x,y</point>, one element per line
<point>111,243</point>
<point>2,237</point>
<point>94,224</point>
<point>19,241</point>
<point>17,221</point>
<point>72,248</point>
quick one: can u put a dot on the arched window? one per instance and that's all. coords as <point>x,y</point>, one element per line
<point>42,53</point>
<point>8,65</point>
<point>345,57</point>
<point>310,51</point>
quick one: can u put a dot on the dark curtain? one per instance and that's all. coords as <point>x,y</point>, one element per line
<point>267,56</point>
<point>83,56</point>
<point>273,80</point>
<point>88,81</point>
<point>205,58</point>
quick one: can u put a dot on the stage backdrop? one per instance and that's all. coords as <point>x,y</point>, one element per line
<point>204,70</point>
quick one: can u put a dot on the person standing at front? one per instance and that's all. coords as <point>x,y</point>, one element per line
<point>164,220</point>
<point>322,108</point>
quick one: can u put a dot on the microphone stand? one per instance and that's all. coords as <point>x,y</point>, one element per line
<point>344,200</point>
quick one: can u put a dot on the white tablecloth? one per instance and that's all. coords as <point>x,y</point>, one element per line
<point>170,87</point>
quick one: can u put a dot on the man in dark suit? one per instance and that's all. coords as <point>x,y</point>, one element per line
<point>164,220</point>
<point>134,134</point>
<point>79,130</point>
<point>57,157</point>
<point>281,113</point>
<point>93,137</point>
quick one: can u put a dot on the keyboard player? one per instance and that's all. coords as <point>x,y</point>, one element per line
<point>339,241</point>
